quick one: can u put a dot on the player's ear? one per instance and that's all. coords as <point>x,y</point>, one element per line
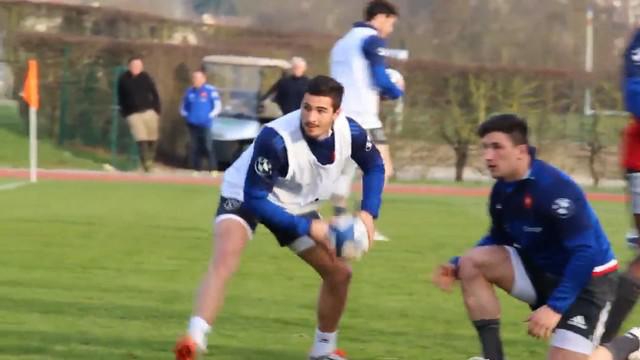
<point>523,150</point>
<point>337,113</point>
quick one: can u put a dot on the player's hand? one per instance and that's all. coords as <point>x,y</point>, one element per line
<point>542,322</point>
<point>367,220</point>
<point>444,277</point>
<point>319,232</point>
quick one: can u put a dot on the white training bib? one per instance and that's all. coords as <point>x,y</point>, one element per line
<point>350,67</point>
<point>307,182</point>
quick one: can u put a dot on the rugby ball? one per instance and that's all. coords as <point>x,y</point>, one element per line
<point>396,77</point>
<point>349,237</point>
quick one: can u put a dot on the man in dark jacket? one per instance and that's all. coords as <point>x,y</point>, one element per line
<point>140,105</point>
<point>289,90</point>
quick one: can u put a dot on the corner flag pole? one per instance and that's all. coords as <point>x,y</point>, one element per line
<point>32,98</point>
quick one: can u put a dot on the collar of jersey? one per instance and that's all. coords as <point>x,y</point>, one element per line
<point>363,24</point>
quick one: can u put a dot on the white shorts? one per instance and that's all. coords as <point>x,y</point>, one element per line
<point>634,191</point>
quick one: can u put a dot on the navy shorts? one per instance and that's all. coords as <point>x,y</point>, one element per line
<point>234,208</point>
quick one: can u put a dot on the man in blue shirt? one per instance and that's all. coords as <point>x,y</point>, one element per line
<point>280,181</point>
<point>200,105</point>
<point>545,247</point>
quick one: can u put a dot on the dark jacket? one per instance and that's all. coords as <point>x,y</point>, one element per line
<point>137,94</point>
<point>289,92</point>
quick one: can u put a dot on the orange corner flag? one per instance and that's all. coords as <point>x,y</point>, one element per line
<point>30,89</point>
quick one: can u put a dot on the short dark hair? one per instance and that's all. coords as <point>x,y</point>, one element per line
<point>135,57</point>
<point>510,124</point>
<point>323,85</point>
<point>377,7</point>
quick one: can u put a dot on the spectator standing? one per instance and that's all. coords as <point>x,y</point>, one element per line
<point>290,89</point>
<point>200,105</point>
<point>140,104</point>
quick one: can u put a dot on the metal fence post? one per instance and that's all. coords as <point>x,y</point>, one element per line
<point>64,97</point>
<point>115,114</point>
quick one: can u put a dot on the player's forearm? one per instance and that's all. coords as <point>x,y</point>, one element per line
<point>632,96</point>
<point>383,82</point>
<point>372,186</point>
<point>276,217</point>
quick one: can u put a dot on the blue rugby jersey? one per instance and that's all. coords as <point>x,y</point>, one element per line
<point>547,219</point>
<point>631,76</point>
<point>200,105</point>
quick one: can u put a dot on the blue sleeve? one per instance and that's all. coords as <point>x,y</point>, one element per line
<point>372,48</point>
<point>573,222</point>
<point>184,105</point>
<point>216,104</point>
<point>268,163</point>
<point>632,96</point>
<point>631,76</point>
<point>368,158</point>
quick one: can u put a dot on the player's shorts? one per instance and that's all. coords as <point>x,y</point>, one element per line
<point>345,181</point>
<point>583,324</point>
<point>377,136</point>
<point>631,147</point>
<point>633,181</point>
<point>235,209</point>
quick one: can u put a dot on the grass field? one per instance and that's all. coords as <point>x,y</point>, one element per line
<point>108,270</point>
<point>15,147</point>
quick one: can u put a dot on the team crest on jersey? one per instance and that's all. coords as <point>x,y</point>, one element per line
<point>635,56</point>
<point>369,145</point>
<point>563,208</point>
<point>231,204</point>
<point>263,166</point>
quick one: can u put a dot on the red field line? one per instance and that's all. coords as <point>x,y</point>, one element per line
<point>80,175</point>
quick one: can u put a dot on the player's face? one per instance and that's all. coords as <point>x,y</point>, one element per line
<point>135,67</point>
<point>198,79</point>
<point>502,157</point>
<point>386,25</point>
<point>317,115</point>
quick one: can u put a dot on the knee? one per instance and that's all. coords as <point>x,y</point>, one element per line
<point>339,275</point>
<point>634,269</point>
<point>469,266</point>
<point>223,268</point>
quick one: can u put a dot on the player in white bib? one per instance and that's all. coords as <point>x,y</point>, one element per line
<point>280,181</point>
<point>357,62</point>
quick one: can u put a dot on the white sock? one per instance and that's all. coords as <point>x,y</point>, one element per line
<point>198,330</point>
<point>324,344</point>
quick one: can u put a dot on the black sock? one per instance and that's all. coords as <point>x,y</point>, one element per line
<point>489,333</point>
<point>626,297</point>
<point>622,346</point>
<point>339,210</point>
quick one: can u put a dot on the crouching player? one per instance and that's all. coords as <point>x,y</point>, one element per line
<point>545,247</point>
<point>279,182</point>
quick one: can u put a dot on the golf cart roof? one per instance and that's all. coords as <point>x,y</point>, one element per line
<point>246,61</point>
